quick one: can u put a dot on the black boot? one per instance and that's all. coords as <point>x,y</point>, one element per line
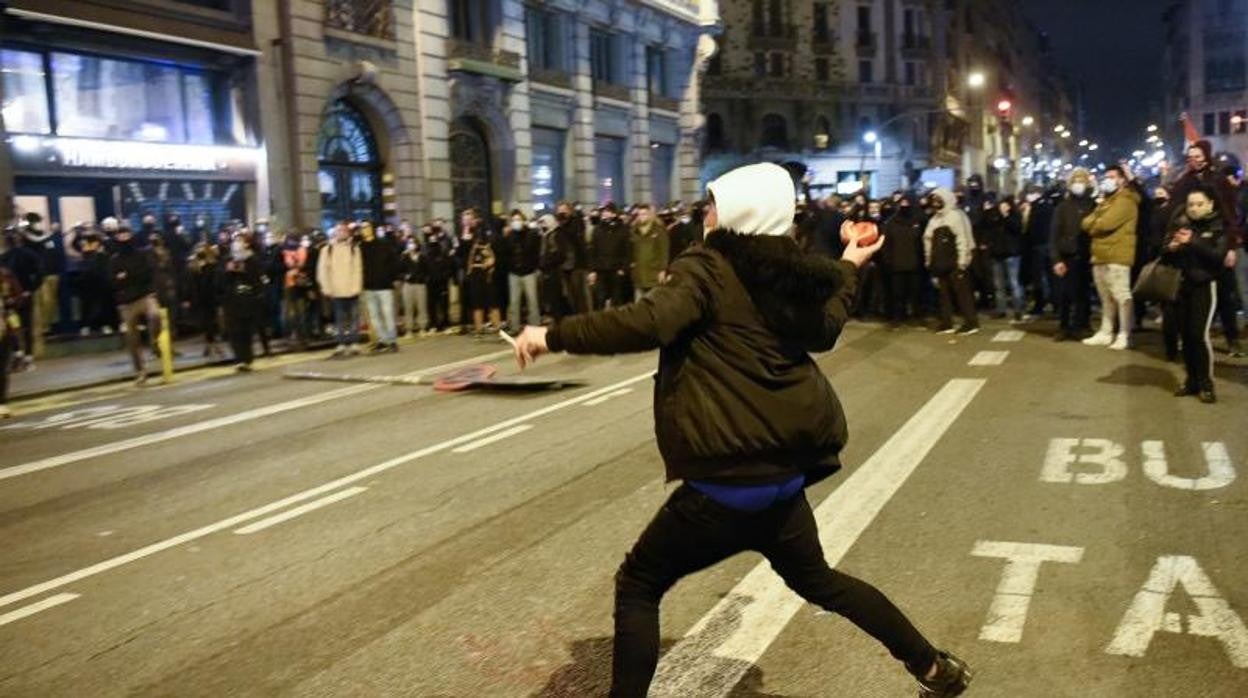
<point>951,679</point>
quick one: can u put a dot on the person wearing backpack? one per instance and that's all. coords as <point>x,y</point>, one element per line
<point>947,248</point>
<point>1072,256</point>
<point>735,321</point>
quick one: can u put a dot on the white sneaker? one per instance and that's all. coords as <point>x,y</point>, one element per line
<point>1099,340</point>
<point>1121,343</point>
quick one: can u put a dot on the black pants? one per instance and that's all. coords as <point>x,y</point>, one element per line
<point>1170,330</point>
<point>610,287</point>
<point>242,329</point>
<point>692,532</point>
<point>1073,309</point>
<point>439,305</point>
<point>956,287</point>
<point>1040,279</point>
<point>6,342</point>
<point>1228,304</point>
<point>26,315</point>
<point>903,295</point>
<point>1193,311</point>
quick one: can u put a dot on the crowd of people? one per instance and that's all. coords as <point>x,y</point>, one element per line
<point>1053,250</point>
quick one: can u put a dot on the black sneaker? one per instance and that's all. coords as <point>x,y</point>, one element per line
<point>952,678</point>
<point>1185,390</point>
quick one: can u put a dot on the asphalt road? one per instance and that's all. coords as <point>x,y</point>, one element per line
<point>1049,512</point>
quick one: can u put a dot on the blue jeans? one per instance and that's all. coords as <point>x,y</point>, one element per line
<point>346,319</point>
<point>380,306</point>
<point>1005,281</point>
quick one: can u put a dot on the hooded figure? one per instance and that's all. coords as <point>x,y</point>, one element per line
<point>743,415</point>
<point>948,248</point>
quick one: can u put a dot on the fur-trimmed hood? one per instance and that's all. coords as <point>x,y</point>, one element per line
<point>786,285</point>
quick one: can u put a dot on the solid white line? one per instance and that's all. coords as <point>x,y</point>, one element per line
<point>599,400</point>
<point>1009,336</point>
<point>299,510</point>
<point>742,625</point>
<point>34,608</point>
<point>466,448</point>
<point>371,471</point>
<point>217,423</point>
<point>988,358</point>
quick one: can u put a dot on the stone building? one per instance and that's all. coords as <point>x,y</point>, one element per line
<point>1205,72</point>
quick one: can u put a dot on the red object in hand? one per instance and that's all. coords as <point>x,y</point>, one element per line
<point>865,232</point>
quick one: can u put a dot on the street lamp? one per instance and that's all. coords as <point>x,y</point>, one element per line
<point>1028,121</point>
<point>1059,128</point>
<point>1093,147</point>
<point>976,80</point>
<point>1083,143</point>
<point>1152,128</point>
<point>1066,134</point>
<point>870,137</point>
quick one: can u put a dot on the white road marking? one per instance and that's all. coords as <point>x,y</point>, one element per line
<point>366,473</point>
<point>217,423</point>
<point>599,400</point>
<point>26,611</point>
<point>299,511</point>
<point>1147,614</point>
<point>741,626</point>
<point>1107,459</point>
<point>1221,472</point>
<point>1009,336</point>
<point>1008,612</point>
<point>466,448</point>
<point>988,358</point>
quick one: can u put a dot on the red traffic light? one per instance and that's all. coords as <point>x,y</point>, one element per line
<point>1004,107</point>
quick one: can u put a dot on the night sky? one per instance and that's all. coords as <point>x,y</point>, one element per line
<point>1113,48</point>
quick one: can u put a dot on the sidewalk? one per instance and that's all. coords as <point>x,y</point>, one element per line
<point>87,371</point>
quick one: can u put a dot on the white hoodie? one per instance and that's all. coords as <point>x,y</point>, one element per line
<point>957,221</point>
<point>755,200</point>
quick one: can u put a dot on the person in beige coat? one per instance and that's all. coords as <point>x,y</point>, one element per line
<point>1111,226</point>
<point>340,274</point>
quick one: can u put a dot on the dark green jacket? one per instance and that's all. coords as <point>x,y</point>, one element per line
<point>737,397</point>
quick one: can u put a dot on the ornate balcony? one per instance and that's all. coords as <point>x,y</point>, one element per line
<point>611,90</point>
<point>824,46</point>
<point>916,47</point>
<point>477,58</point>
<point>783,40</point>
<point>554,78</point>
<point>368,17</point>
<point>866,43</point>
<point>664,103</point>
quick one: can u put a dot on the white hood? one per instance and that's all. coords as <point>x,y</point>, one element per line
<point>755,200</point>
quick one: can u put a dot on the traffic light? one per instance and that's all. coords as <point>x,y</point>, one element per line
<point>1004,107</point>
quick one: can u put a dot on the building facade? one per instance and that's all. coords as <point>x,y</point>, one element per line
<point>1205,72</point>
<point>310,111</point>
<point>890,93</point>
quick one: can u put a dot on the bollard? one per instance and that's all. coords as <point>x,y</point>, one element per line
<point>166,347</point>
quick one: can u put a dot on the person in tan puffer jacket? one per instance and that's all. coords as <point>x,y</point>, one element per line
<point>1111,226</point>
<point>340,274</point>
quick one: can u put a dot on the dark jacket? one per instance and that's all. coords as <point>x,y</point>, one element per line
<point>571,234</point>
<point>26,265</point>
<point>903,242</point>
<point>1210,177</point>
<point>1069,242</point>
<point>682,237</point>
<point>1003,234</point>
<point>524,250</point>
<point>51,250</point>
<point>1035,232</point>
<point>1201,259</point>
<point>440,260</point>
<point>381,264</point>
<point>611,250</point>
<point>240,285</point>
<point>414,268</point>
<point>737,398</point>
<point>132,272</point>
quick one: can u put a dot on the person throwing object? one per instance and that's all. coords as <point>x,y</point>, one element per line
<point>744,418</point>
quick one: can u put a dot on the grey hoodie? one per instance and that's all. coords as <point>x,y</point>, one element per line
<point>957,221</point>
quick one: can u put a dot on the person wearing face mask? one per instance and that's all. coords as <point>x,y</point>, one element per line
<point>1160,214</point>
<point>147,230</point>
<point>1003,235</point>
<point>524,247</point>
<point>132,272</point>
<point>1197,244</point>
<point>683,232</point>
<point>381,268</point>
<point>295,283</point>
<point>1111,226</point>
<point>948,246</point>
<point>901,259</point>
<point>610,256</point>
<point>575,267</point>
<point>203,294</point>
<point>1072,257</point>
<point>414,273</point>
<point>734,326</point>
<point>438,249</point>
<point>1035,219</point>
<point>340,276</point>
<point>650,251</point>
<point>241,291</point>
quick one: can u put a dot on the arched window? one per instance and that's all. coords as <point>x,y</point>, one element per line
<point>715,132</point>
<point>349,167</point>
<point>471,175</point>
<point>775,132</point>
